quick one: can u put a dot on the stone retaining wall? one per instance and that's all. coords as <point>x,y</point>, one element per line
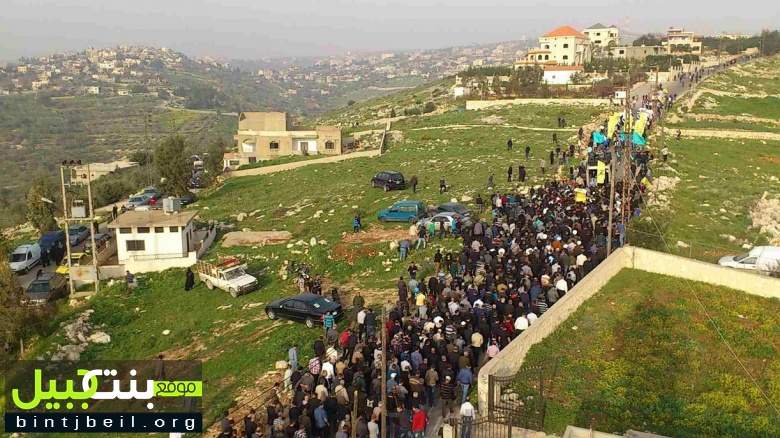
<point>482,104</point>
<point>510,359</point>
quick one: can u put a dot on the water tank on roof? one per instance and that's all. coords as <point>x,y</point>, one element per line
<point>171,205</point>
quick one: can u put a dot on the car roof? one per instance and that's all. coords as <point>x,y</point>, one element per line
<point>44,277</point>
<point>25,247</point>
<point>407,202</point>
<point>52,234</point>
<point>307,298</point>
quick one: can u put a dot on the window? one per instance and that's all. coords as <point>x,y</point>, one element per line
<point>329,145</point>
<point>565,57</point>
<point>253,159</point>
<point>546,46</point>
<point>143,230</point>
<point>622,51</point>
<point>174,229</point>
<point>233,163</point>
<point>598,33</point>
<point>546,57</point>
<point>540,57</point>
<point>135,245</point>
<point>274,145</point>
<point>159,229</point>
<point>125,230</point>
<point>566,46</point>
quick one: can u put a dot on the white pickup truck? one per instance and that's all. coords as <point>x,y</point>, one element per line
<point>229,275</point>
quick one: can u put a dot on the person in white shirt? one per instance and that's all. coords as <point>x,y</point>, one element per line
<point>531,317</point>
<point>327,368</point>
<point>521,323</point>
<point>467,413</point>
<point>561,285</point>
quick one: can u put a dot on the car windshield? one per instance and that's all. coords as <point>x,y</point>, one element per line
<point>137,199</point>
<point>18,257</point>
<point>741,257</point>
<point>234,273</point>
<point>321,302</point>
<point>38,286</point>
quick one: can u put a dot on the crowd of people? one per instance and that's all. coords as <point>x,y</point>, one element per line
<point>517,260</point>
<point>463,307</point>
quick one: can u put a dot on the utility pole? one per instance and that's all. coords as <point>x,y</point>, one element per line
<point>92,229</point>
<point>383,331</point>
<point>65,219</point>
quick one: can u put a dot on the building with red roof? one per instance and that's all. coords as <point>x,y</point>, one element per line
<point>564,45</point>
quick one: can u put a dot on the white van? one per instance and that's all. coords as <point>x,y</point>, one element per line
<point>761,258</point>
<point>25,257</point>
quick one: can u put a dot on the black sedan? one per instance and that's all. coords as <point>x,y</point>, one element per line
<point>307,308</point>
<point>389,181</point>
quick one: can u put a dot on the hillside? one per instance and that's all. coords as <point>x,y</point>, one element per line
<point>37,133</point>
<point>315,202</point>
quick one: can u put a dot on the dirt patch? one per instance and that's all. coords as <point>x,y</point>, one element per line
<point>772,159</point>
<point>188,351</point>
<point>350,253</point>
<point>376,234</point>
<point>247,238</point>
<point>765,216</point>
<point>744,119</point>
<point>724,133</point>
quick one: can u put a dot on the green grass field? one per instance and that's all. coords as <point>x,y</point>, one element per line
<point>720,180</point>
<point>642,355</point>
<point>238,344</point>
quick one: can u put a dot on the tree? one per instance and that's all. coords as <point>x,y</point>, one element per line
<point>11,311</point>
<point>173,164</point>
<point>213,162</point>
<point>40,204</point>
<point>142,157</point>
<point>647,39</point>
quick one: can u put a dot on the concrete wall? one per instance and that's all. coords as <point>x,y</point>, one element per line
<point>482,104</point>
<point>511,358</point>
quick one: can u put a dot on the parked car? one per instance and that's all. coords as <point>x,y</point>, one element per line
<point>54,243</point>
<point>77,234</point>
<point>453,207</point>
<point>403,211</point>
<point>100,241</point>
<point>449,218</point>
<point>761,258</point>
<point>187,199</point>
<point>45,288</point>
<point>307,308</point>
<point>389,181</point>
<point>151,191</point>
<point>25,257</point>
<point>76,259</point>
<point>141,200</point>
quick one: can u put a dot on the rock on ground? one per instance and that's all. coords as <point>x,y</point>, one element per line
<point>247,238</point>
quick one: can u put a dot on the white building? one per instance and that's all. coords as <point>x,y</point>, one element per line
<point>154,240</point>
<point>560,74</point>
<point>680,41</point>
<point>93,90</point>
<point>602,37</point>
<point>563,46</point>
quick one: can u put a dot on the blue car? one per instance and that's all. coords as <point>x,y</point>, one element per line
<point>403,211</point>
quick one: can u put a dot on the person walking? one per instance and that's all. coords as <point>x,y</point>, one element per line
<point>413,183</point>
<point>521,173</point>
<point>442,185</point>
<point>45,256</point>
<point>189,281</point>
<point>328,322</point>
<point>527,152</point>
<point>465,379</point>
<point>447,394</point>
<point>509,144</point>
<point>419,422</point>
<point>356,223</point>
<point>509,174</point>
<point>490,184</point>
<point>292,356</point>
<point>467,413</point>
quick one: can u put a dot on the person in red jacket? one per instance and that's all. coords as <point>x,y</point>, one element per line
<point>419,422</point>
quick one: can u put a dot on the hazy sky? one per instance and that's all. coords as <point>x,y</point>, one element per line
<point>257,28</point>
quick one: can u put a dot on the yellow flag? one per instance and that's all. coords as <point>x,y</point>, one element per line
<point>601,172</point>
<point>580,195</point>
